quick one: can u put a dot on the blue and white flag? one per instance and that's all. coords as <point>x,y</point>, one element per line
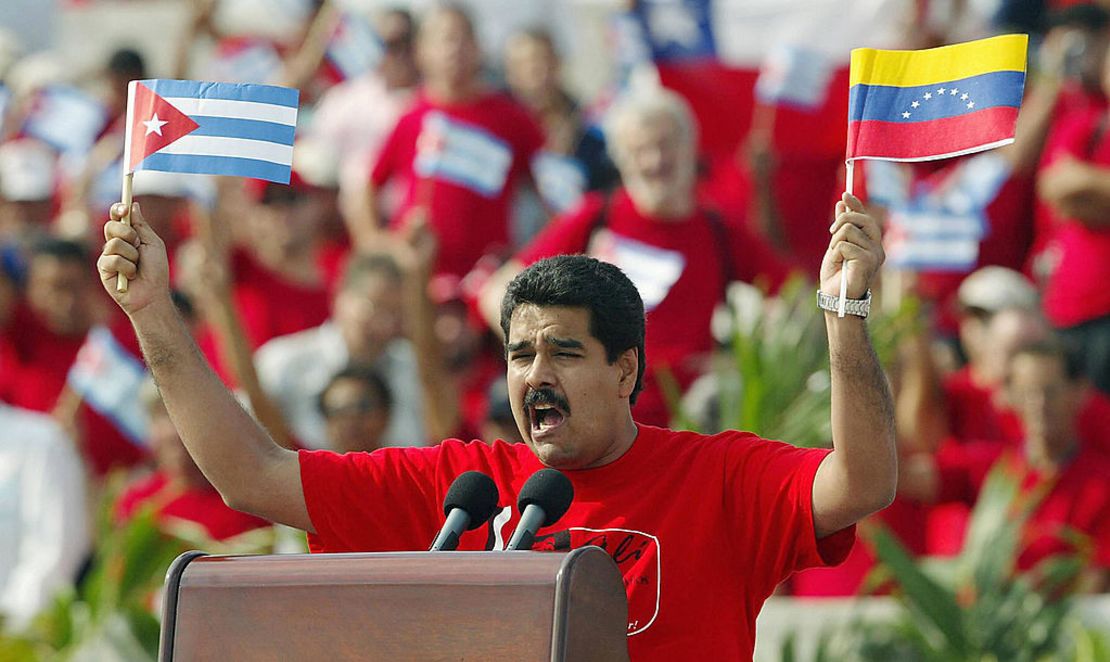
<point>65,118</point>
<point>561,180</point>
<point>354,48</point>
<point>190,126</point>
<point>254,61</point>
<point>942,228</point>
<point>463,154</point>
<point>109,378</point>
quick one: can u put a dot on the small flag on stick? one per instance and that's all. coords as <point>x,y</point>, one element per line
<point>933,104</point>
<point>187,126</point>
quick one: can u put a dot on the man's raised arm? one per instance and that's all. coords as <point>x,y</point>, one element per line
<point>860,476</point>
<point>251,472</point>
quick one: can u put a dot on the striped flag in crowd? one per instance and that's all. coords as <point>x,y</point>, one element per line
<point>795,76</point>
<point>188,126</point>
<point>354,48</point>
<point>109,378</point>
<point>66,118</point>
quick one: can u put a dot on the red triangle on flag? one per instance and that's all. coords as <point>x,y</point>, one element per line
<point>154,124</point>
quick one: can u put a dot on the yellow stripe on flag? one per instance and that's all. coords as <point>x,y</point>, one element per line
<point>871,66</point>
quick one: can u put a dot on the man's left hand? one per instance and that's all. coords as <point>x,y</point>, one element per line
<point>856,248</point>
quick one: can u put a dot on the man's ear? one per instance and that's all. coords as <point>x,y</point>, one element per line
<point>629,365</point>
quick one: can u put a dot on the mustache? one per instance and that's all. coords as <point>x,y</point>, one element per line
<point>546,396</point>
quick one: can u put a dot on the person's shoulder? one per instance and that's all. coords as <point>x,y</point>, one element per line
<point>728,440</point>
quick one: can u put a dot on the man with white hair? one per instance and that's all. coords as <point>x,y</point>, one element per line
<point>680,254</point>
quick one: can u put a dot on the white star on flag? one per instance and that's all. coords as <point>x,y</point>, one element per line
<point>928,95</point>
<point>963,97</point>
<point>970,104</point>
<point>154,125</point>
<point>940,90</point>
<point>954,91</point>
<point>905,115</point>
<point>915,104</point>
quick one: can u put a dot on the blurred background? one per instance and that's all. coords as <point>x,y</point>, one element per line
<point>440,149</point>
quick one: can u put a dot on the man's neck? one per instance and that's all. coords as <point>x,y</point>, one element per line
<point>450,92</point>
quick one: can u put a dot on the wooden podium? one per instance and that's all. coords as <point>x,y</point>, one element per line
<point>396,606</point>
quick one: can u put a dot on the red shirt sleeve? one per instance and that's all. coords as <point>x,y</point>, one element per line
<point>566,234</point>
<point>371,502</point>
<point>771,492</point>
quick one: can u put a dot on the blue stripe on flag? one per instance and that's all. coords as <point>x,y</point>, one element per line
<point>234,127</point>
<point>890,104</point>
<point>271,94</point>
<point>217,165</point>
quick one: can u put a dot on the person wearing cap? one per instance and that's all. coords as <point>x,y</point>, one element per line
<point>28,182</point>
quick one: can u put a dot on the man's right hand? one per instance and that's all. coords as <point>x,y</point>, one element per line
<point>140,255</point>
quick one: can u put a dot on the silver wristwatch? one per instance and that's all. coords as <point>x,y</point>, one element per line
<point>857,307</point>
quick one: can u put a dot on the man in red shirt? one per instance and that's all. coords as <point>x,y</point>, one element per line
<point>680,255</point>
<point>1059,455</point>
<point>458,152</point>
<point>702,527</point>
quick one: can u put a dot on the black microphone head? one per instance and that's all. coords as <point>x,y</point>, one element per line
<point>474,492</point>
<point>549,489</point>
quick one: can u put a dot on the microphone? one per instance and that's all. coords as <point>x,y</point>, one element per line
<point>544,498</point>
<point>470,502</point>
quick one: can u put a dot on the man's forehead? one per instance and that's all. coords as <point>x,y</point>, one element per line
<point>564,322</point>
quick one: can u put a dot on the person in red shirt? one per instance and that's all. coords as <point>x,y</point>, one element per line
<point>680,254</point>
<point>459,152</point>
<point>703,527</point>
<point>177,491</point>
<point>1073,233</point>
<point>1058,455</point>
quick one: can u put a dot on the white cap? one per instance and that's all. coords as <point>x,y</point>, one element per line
<point>997,288</point>
<point>28,171</point>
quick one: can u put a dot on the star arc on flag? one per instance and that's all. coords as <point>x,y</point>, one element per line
<point>149,110</point>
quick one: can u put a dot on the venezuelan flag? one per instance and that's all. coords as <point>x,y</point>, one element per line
<point>935,103</point>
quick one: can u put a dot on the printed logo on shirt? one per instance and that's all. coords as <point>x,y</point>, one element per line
<point>653,270</point>
<point>636,555</point>
<point>463,154</point>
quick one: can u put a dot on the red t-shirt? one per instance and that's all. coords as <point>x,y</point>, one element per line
<point>703,528</point>
<point>974,414</point>
<point>269,306</point>
<point>677,267</point>
<point>461,160</point>
<point>39,361</point>
<point>1075,291</point>
<point>1078,499</point>
<point>203,507</point>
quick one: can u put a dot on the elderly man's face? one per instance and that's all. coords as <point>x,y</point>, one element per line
<point>656,160</point>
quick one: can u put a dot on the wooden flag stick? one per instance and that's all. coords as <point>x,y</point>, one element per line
<point>121,280</point>
<point>849,180</point>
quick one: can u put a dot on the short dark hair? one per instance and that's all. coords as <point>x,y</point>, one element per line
<point>578,281</point>
<point>60,249</point>
<point>368,376</point>
<point>127,62</point>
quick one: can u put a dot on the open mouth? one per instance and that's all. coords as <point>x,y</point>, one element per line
<point>545,418</point>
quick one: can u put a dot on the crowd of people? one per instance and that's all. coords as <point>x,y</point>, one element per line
<point>359,306</point>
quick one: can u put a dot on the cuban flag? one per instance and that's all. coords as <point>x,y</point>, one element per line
<point>109,378</point>
<point>354,48</point>
<point>941,228</point>
<point>462,153</point>
<point>935,103</point>
<point>187,126</point>
<point>65,118</point>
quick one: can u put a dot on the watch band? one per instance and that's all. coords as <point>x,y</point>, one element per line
<point>857,307</point>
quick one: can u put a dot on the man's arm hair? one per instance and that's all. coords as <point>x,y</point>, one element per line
<point>250,471</point>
